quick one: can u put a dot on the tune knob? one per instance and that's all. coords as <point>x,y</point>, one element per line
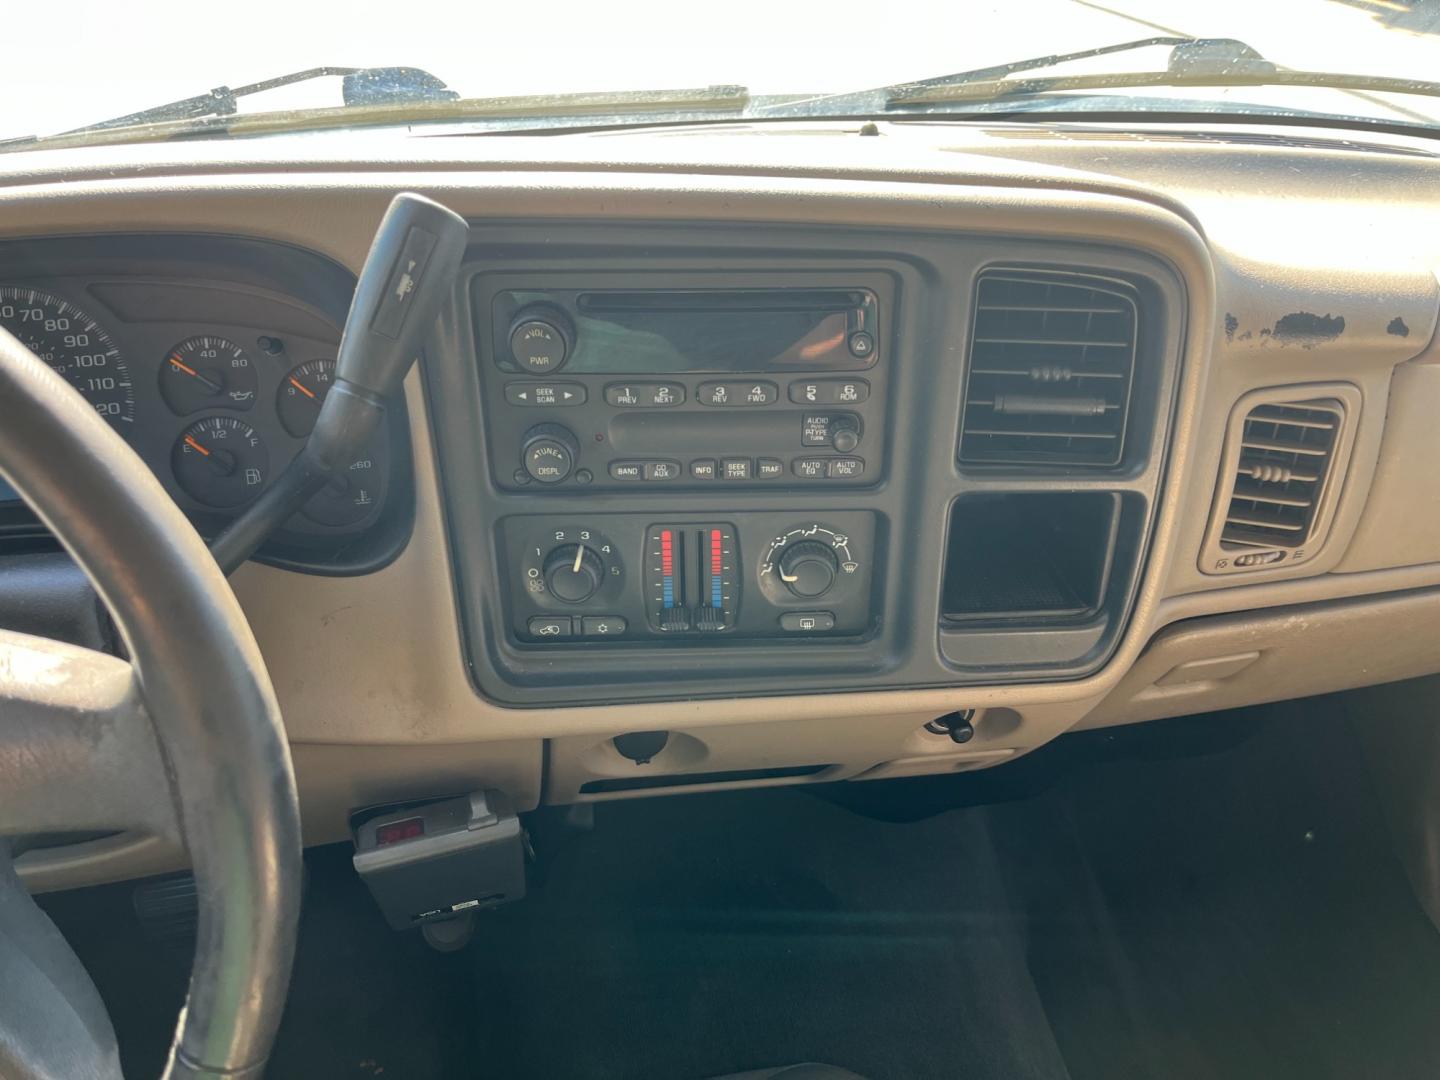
<point>808,568</point>
<point>548,453</point>
<point>573,572</point>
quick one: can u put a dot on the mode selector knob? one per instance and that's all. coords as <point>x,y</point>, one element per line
<point>573,572</point>
<point>808,568</point>
<point>548,453</point>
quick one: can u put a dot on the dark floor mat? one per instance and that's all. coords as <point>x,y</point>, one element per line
<point>1234,913</point>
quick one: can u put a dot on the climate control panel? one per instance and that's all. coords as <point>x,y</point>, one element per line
<point>690,579</point>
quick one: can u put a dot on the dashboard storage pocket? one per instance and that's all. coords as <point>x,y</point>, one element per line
<point>1037,558</point>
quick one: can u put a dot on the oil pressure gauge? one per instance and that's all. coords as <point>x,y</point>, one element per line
<point>207,373</point>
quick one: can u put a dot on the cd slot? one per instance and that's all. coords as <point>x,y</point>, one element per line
<point>729,300</point>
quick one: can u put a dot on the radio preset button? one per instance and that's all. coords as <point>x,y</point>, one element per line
<point>737,395</point>
<point>703,469</point>
<point>735,468</point>
<point>537,395</point>
<point>830,392</point>
<point>808,468</point>
<point>644,395</point>
<point>769,468</point>
<point>661,470</point>
<point>627,470</point>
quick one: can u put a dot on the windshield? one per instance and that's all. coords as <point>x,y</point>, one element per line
<point>115,59</point>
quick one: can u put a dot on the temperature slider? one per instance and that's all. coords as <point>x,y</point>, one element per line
<point>691,577</point>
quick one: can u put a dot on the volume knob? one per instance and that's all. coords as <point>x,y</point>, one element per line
<point>808,568</point>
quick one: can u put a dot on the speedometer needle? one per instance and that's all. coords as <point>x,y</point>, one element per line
<point>180,365</point>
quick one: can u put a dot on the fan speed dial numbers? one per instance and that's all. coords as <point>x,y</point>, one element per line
<point>570,566</point>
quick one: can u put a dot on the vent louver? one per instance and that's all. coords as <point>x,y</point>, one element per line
<point>1287,451</point>
<point>1285,457</point>
<point>1052,357</point>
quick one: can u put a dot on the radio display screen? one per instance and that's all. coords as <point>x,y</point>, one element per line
<point>731,331</point>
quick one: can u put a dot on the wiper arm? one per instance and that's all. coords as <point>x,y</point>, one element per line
<point>1193,62</point>
<point>1187,53</point>
<point>397,108</point>
<point>362,86</point>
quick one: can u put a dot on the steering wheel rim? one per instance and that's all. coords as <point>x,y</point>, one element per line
<point>227,776</point>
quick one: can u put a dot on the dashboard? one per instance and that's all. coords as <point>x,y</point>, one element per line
<point>830,458</point>
<point>205,358</point>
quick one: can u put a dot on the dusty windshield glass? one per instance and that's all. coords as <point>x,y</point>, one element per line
<point>119,59</point>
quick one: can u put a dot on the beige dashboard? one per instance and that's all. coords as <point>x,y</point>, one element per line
<point>371,670</point>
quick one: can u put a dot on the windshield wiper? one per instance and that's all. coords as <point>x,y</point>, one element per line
<point>361,86</point>
<point>372,100</point>
<point>1192,62</point>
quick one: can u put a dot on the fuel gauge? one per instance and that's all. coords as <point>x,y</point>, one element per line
<point>220,461</point>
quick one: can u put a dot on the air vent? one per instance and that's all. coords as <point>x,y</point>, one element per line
<point>1283,461</point>
<point>1284,457</point>
<point>1051,360</point>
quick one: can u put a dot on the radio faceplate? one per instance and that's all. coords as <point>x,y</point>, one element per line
<point>660,382</point>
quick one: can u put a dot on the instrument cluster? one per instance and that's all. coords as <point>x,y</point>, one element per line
<point>216,387</point>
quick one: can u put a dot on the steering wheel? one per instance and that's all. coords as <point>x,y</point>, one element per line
<point>184,742</point>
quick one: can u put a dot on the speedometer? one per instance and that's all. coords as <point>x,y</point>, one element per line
<point>75,345</point>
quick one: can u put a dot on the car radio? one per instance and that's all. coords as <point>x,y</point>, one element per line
<point>683,386</point>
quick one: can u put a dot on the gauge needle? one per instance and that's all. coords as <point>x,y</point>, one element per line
<point>190,442</point>
<point>579,554</point>
<point>208,380</point>
<point>303,388</point>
